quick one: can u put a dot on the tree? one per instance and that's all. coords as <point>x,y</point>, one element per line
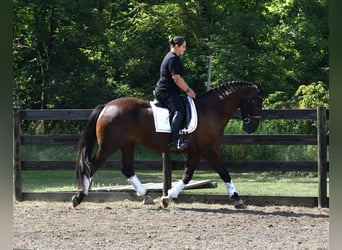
<point>314,95</point>
<point>81,53</point>
<point>50,64</point>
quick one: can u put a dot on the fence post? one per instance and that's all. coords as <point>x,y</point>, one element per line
<point>322,156</point>
<point>17,154</point>
<point>167,178</point>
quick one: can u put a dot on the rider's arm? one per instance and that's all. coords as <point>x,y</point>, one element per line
<point>183,85</point>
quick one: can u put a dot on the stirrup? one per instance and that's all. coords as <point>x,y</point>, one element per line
<point>178,146</point>
<point>183,143</point>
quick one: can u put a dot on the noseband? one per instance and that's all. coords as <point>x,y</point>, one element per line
<point>247,119</point>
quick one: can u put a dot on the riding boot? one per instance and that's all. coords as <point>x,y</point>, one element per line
<point>174,142</point>
<point>176,124</point>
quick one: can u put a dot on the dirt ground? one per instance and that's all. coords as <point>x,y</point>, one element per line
<point>131,225</point>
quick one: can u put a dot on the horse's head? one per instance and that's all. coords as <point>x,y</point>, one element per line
<point>251,110</point>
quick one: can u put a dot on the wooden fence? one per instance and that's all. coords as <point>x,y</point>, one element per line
<point>321,166</point>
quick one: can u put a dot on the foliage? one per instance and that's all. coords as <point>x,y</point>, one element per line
<point>81,53</point>
<point>278,100</point>
<point>313,95</point>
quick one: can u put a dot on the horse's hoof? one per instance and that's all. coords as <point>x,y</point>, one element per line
<point>77,199</point>
<point>165,202</point>
<point>240,204</point>
<point>148,200</point>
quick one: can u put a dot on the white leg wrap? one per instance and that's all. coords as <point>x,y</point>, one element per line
<point>230,188</point>
<point>174,192</point>
<point>135,182</point>
<point>86,184</point>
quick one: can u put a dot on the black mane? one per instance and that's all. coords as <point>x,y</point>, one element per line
<point>228,88</point>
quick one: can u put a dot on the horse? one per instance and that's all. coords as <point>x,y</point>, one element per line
<point>124,122</point>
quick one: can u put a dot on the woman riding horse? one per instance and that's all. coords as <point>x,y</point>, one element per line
<point>169,86</point>
<point>124,122</point>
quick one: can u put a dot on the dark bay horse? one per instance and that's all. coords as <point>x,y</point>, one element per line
<point>124,122</point>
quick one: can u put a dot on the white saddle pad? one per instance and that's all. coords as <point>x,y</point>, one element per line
<point>162,121</point>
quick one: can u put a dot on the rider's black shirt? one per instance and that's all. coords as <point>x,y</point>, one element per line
<point>171,65</point>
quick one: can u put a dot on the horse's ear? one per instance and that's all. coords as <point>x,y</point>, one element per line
<point>260,88</point>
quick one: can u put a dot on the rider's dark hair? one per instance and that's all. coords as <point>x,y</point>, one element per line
<point>176,40</point>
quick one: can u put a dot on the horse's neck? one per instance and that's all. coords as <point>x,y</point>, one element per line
<point>222,107</point>
<point>225,103</point>
<point>230,105</point>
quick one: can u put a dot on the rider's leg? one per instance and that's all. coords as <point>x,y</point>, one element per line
<point>176,125</point>
<point>176,107</point>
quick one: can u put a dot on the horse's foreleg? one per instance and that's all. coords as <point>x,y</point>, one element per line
<point>233,194</point>
<point>172,193</point>
<point>215,160</point>
<point>187,176</point>
<point>190,166</point>
<point>231,190</point>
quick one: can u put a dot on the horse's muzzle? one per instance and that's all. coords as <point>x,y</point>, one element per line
<point>250,125</point>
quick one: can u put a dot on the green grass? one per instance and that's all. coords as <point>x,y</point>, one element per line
<point>278,184</point>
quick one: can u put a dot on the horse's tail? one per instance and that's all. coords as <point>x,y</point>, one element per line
<point>86,146</point>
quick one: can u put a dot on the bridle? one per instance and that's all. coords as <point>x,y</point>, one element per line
<point>247,119</point>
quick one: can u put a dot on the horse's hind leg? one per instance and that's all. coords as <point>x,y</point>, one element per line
<point>99,158</point>
<point>127,157</point>
<point>96,161</point>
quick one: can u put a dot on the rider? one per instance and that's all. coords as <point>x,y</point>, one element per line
<point>169,86</point>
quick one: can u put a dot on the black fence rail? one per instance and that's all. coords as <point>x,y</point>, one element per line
<point>321,166</point>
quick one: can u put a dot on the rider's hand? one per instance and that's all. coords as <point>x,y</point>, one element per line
<point>191,93</point>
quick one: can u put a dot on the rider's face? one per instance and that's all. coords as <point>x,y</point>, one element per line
<point>180,49</point>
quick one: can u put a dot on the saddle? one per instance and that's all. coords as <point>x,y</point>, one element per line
<point>187,106</point>
<point>162,117</point>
